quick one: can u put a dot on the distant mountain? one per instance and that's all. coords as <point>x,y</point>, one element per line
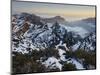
<point>90,20</point>
<point>34,18</point>
<point>81,27</point>
<point>58,19</point>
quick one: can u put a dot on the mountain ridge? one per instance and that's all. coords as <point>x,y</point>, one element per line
<point>49,41</point>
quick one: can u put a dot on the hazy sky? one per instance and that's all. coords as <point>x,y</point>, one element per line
<point>69,12</point>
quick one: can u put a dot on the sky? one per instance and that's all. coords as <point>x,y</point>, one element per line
<point>69,12</point>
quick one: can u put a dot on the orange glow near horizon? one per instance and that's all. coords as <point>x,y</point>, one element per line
<point>71,11</point>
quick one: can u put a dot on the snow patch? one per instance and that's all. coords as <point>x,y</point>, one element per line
<point>76,46</point>
<point>61,52</point>
<point>52,62</point>
<point>77,64</point>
